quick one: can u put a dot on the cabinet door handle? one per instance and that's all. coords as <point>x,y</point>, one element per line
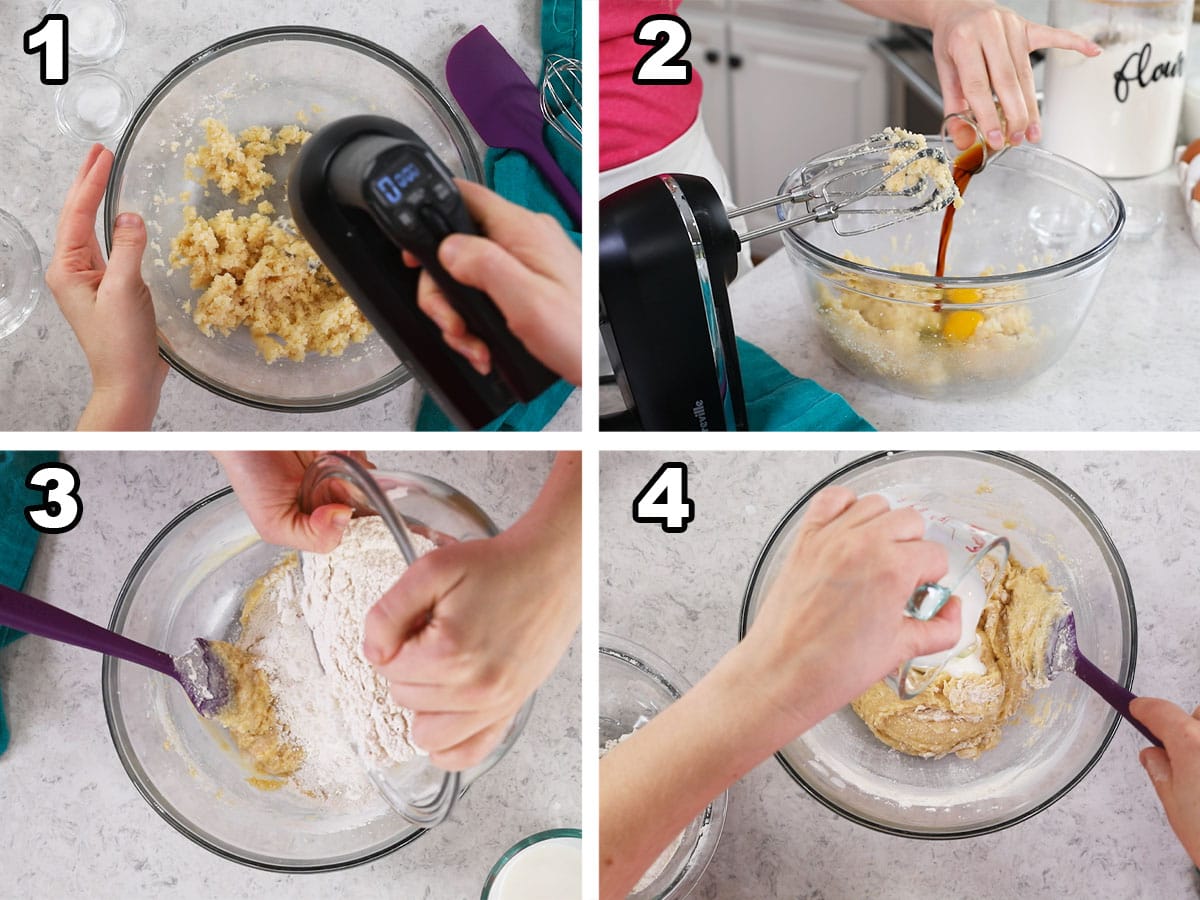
<point>735,61</point>
<point>712,57</point>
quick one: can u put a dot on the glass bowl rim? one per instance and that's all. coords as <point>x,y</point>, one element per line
<point>524,843</point>
<point>1106,541</point>
<point>649,663</point>
<point>473,170</point>
<point>1079,262</point>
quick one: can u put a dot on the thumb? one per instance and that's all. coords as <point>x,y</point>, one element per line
<point>124,273</point>
<point>324,526</point>
<point>1158,766</point>
<point>407,607</point>
<point>939,633</point>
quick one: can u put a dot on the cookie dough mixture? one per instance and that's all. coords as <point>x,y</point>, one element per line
<point>923,341</point>
<point>904,146</point>
<point>254,270</point>
<point>964,714</point>
<point>304,695</point>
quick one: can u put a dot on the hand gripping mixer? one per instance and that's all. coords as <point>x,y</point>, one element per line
<point>365,188</point>
<point>668,252</point>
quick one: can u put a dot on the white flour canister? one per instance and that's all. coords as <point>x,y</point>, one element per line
<point>1118,113</point>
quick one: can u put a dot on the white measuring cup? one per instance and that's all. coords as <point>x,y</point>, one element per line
<point>967,547</point>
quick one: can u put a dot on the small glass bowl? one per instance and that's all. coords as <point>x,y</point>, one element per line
<point>635,686</point>
<point>495,886</point>
<point>94,105</point>
<point>95,30</point>
<point>20,274</point>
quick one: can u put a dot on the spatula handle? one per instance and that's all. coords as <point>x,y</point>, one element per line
<point>559,182</point>
<point>1114,695</point>
<point>26,613</point>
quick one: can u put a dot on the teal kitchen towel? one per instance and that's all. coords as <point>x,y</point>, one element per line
<point>18,539</point>
<point>510,174</point>
<point>776,400</point>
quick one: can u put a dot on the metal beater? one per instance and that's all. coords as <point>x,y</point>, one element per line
<point>854,182</point>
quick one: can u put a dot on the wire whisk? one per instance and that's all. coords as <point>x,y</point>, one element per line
<point>562,90</point>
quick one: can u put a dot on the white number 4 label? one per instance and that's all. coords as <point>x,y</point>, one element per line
<point>61,507</point>
<point>664,500</point>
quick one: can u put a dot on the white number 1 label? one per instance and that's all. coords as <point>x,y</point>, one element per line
<point>664,500</point>
<point>49,38</point>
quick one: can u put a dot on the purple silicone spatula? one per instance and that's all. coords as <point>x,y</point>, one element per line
<point>1062,655</point>
<point>199,671</point>
<point>505,107</point>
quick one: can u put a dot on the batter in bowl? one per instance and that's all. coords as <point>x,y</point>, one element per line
<point>964,714</point>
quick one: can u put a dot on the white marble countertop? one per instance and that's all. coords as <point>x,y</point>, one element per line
<point>43,370</point>
<point>681,595</point>
<point>71,822</point>
<point>1132,366</point>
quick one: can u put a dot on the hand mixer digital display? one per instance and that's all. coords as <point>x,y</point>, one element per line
<point>668,252</point>
<point>366,188</point>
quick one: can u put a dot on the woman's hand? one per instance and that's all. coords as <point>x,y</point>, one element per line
<point>530,269</point>
<point>267,484</point>
<point>1174,769</point>
<point>472,629</point>
<point>108,306</point>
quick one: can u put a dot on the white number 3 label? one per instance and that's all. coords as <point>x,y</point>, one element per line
<point>670,37</point>
<point>664,500</point>
<point>61,508</point>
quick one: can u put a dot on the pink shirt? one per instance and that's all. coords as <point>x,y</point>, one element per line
<point>637,119</point>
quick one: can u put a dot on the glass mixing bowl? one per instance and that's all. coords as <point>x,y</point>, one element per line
<point>1027,252</point>
<point>265,77</point>
<point>190,582</point>
<point>1063,729</point>
<point>635,686</point>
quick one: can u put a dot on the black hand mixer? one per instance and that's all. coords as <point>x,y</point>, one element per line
<point>668,252</point>
<point>363,189</point>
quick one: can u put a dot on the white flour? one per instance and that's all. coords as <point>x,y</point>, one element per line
<point>656,867</point>
<point>306,634</point>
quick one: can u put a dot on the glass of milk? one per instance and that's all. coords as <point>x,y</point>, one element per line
<point>976,558</point>
<point>544,866</point>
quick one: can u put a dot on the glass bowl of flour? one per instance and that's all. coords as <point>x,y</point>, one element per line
<point>1059,733</point>
<point>635,686</point>
<point>193,580</point>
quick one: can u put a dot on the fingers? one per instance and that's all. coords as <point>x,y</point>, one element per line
<point>968,57</point>
<point>827,505</point>
<point>1018,44</point>
<point>77,224</point>
<point>433,303</point>
<point>1041,37</point>
<point>935,635</point>
<point>437,732</point>
<point>1169,723</point>
<point>872,506</point>
<point>535,239</point>
<point>405,610</point>
<point>1007,57</point>
<point>325,525</point>
<point>1158,766</point>
<point>472,751</point>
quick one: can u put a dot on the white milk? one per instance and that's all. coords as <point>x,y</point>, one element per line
<point>548,870</point>
<point>1085,117</point>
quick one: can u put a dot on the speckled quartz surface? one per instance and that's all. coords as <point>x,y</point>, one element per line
<point>1131,367</point>
<point>71,822</point>
<point>42,368</point>
<point>681,595</point>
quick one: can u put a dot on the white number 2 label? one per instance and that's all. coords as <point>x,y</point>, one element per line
<point>61,507</point>
<point>670,37</point>
<point>664,500</point>
<point>49,38</point>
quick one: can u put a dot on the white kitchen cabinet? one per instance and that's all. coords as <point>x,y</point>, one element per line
<point>709,56</point>
<point>783,82</point>
<point>797,94</point>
